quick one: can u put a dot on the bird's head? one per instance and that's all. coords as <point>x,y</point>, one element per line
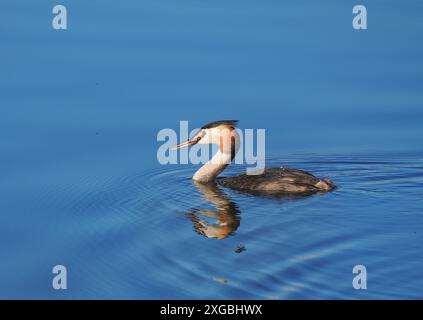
<point>217,132</point>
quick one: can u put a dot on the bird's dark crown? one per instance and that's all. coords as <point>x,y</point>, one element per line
<point>214,124</point>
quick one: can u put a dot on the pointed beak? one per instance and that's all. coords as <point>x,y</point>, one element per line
<point>185,144</point>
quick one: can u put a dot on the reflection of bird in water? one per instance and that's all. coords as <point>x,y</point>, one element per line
<point>272,181</point>
<point>226,215</point>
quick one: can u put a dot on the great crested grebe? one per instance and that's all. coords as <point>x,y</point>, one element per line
<point>272,181</point>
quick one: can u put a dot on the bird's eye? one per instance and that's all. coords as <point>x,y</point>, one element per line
<point>198,139</point>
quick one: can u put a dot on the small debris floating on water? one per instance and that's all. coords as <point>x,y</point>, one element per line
<point>220,280</point>
<point>240,248</point>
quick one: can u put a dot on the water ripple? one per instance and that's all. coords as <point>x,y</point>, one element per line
<point>163,233</point>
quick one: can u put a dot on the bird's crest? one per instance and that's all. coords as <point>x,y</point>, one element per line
<point>214,124</point>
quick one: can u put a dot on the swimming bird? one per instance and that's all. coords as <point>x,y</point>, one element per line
<point>271,181</point>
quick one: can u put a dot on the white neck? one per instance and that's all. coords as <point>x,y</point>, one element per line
<point>223,157</point>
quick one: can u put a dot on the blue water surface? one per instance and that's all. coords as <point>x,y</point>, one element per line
<point>81,185</point>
